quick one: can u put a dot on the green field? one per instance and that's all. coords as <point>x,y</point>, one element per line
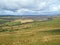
<point>33,33</point>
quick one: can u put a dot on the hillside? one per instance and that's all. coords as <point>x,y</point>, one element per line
<point>36,32</point>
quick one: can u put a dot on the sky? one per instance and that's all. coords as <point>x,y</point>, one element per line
<point>29,7</point>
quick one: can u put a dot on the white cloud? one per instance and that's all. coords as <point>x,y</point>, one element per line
<point>26,2</point>
<point>41,5</point>
<point>55,9</point>
<point>24,11</point>
<point>21,7</point>
<point>17,4</point>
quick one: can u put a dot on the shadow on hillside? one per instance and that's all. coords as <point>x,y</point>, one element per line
<point>50,32</point>
<point>55,30</point>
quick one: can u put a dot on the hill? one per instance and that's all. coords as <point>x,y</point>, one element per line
<point>37,32</point>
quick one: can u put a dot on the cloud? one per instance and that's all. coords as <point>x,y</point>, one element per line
<point>29,7</point>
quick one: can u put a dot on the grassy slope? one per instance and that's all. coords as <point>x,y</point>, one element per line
<point>36,33</point>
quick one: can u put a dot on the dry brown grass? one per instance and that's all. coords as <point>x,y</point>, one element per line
<point>24,21</point>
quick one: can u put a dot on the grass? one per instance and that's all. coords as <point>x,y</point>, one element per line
<point>34,33</point>
<point>13,23</point>
<point>30,38</point>
<point>3,21</point>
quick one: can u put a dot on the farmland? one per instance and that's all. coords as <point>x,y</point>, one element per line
<point>34,30</point>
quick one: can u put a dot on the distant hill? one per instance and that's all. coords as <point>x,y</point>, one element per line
<point>33,17</point>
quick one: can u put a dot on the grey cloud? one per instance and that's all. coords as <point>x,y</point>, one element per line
<point>20,7</point>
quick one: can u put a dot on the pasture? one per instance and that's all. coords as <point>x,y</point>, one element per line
<point>13,32</point>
